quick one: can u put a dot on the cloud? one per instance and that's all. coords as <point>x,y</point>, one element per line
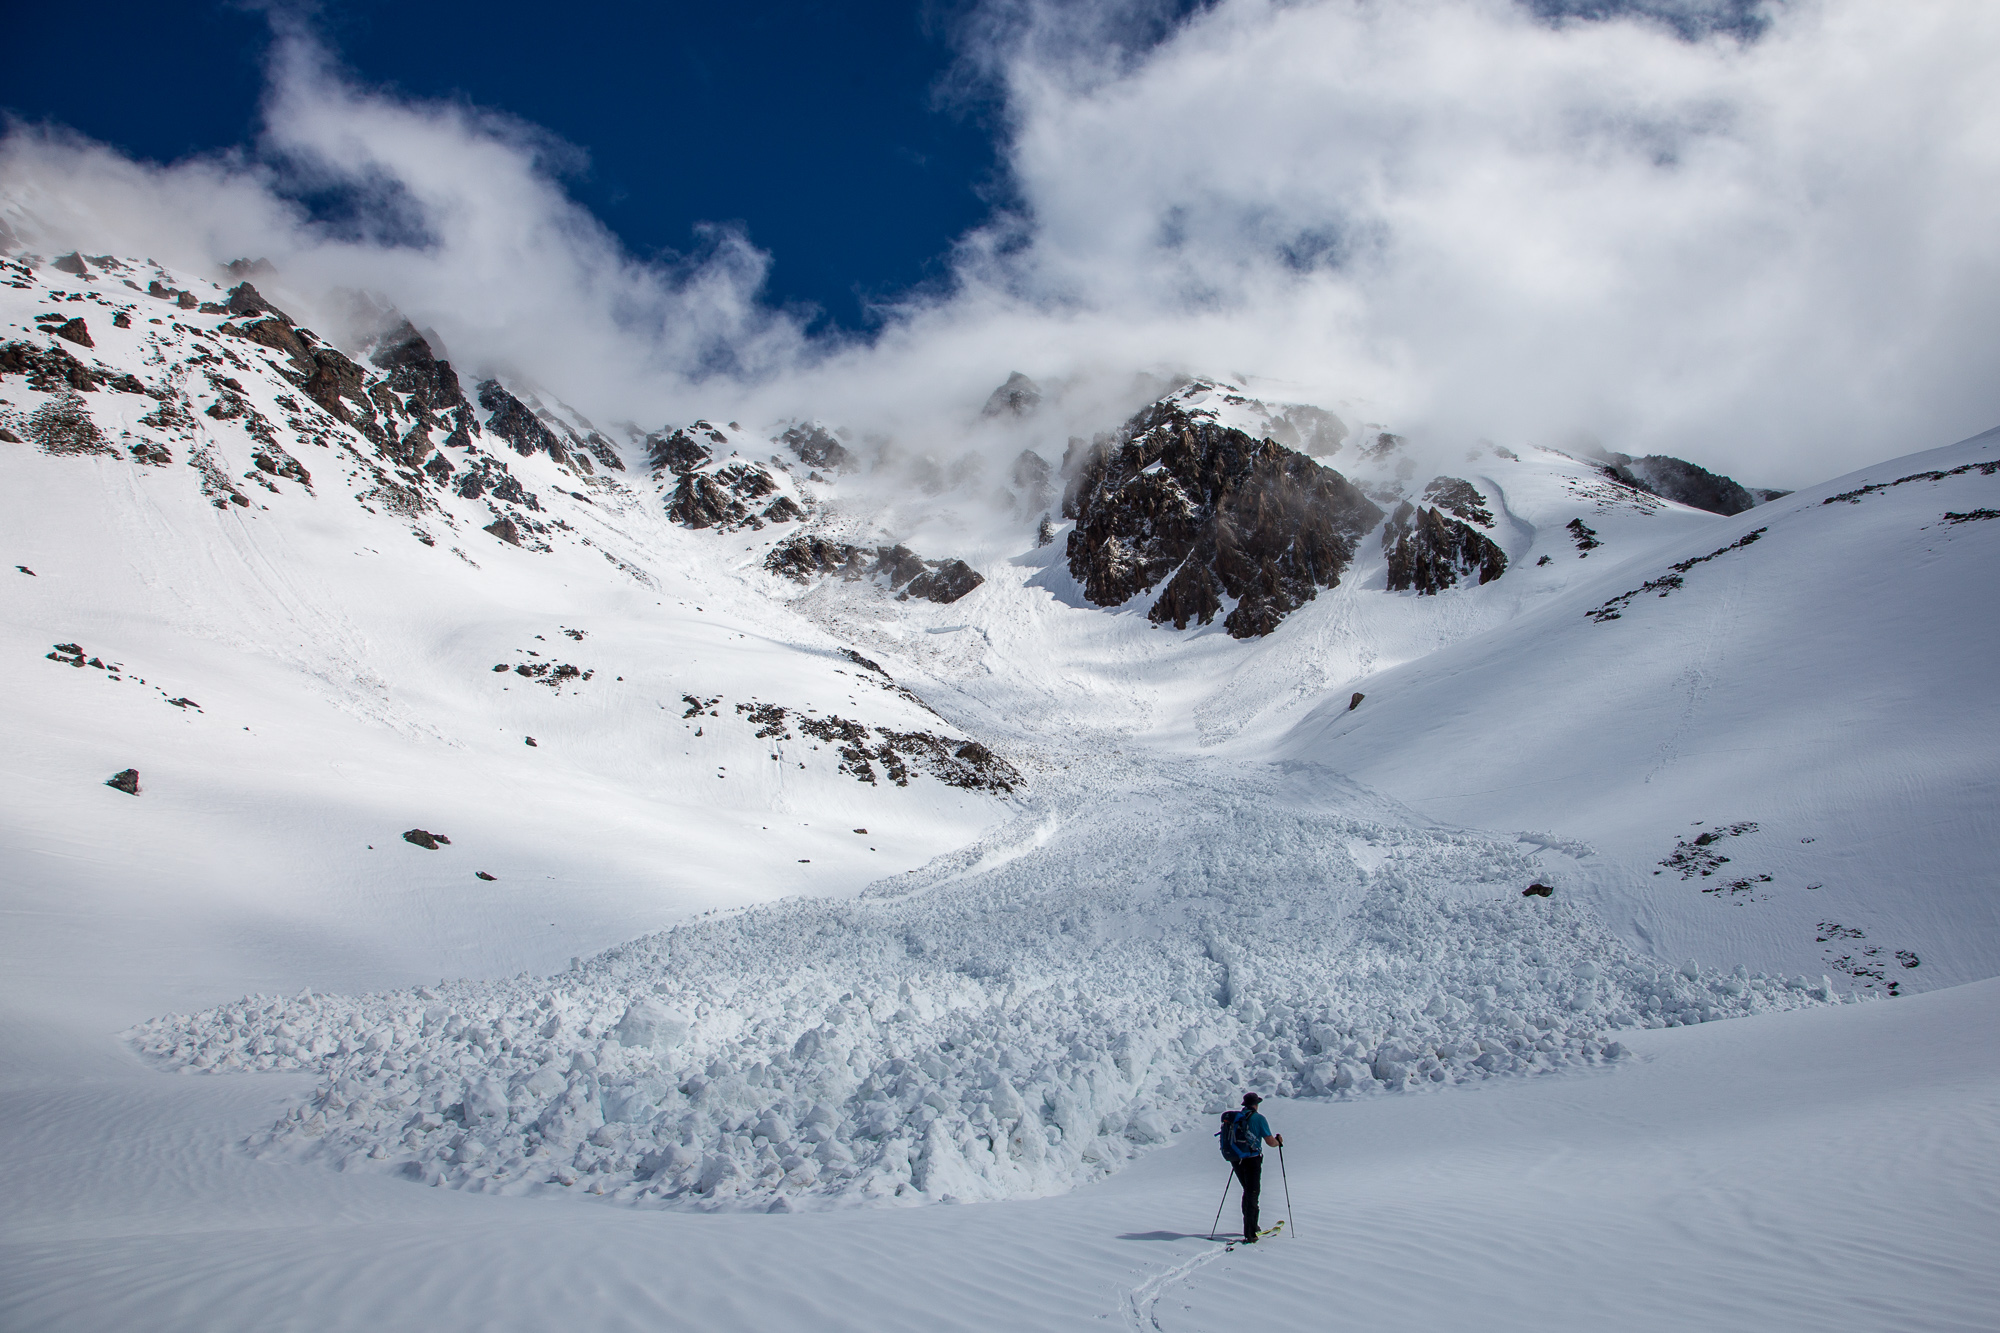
<point>1770,250</point>
<point>457,215</point>
<point>1756,236</point>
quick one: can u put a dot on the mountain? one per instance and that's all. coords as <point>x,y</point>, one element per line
<point>844,843</point>
<point>1687,483</point>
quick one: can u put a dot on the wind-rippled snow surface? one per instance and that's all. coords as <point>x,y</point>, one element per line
<point>1012,1020</point>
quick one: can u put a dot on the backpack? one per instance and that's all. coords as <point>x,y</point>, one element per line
<point>1237,1140</point>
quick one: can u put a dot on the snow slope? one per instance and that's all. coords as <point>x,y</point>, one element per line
<point>1817,701</point>
<point>1835,1168</point>
<point>728,962</point>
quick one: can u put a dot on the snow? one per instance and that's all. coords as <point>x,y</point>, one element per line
<point>1013,1029</point>
<point>1828,1168</point>
<point>770,1009</point>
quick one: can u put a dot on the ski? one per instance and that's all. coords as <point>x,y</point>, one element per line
<point>1271,1230</point>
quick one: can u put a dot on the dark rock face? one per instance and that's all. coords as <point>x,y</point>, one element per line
<point>1236,517</point>
<point>723,499</point>
<point>945,584</point>
<point>506,529</point>
<point>1429,552</point>
<point>1460,499</point>
<point>677,453</point>
<point>1685,483</point>
<point>486,474</point>
<point>808,556</point>
<point>126,780</point>
<point>48,368</point>
<point>71,263</point>
<point>414,369</point>
<point>427,840</point>
<point>816,447</point>
<point>1016,398</point>
<point>75,331</point>
<point>600,449</point>
<point>514,423</point>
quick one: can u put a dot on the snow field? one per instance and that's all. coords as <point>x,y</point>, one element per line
<point>1012,1021</point>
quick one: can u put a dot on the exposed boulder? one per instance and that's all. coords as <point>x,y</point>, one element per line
<point>1429,552</point>
<point>946,583</point>
<point>125,780</point>
<point>71,263</point>
<point>1018,397</point>
<point>185,300</point>
<point>1222,514</point>
<point>425,839</point>
<point>76,331</point>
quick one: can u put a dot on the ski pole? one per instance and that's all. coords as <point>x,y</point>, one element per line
<point>1218,1207</point>
<point>1288,1192</point>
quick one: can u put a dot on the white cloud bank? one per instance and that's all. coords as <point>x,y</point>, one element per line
<point>1778,257</point>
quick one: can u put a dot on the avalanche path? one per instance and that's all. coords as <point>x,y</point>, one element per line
<point>1013,1019</point>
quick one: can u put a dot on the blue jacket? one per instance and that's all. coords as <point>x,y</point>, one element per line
<point>1260,1129</point>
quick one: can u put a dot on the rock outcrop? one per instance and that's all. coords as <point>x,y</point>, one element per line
<point>1213,514</point>
<point>808,556</point>
<point>1018,397</point>
<point>816,446</point>
<point>1686,483</point>
<point>1460,499</point>
<point>1429,552</point>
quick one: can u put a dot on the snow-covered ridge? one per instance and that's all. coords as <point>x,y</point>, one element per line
<point>1017,1019</point>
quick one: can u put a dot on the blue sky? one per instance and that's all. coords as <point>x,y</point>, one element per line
<point>1754,234</point>
<point>813,125</point>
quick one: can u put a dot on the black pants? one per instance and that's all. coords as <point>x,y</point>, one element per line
<point>1250,1175</point>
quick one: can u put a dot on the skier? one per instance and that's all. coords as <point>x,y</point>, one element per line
<point>1253,1132</point>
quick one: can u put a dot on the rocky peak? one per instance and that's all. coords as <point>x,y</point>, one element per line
<point>1031,481</point>
<point>1018,397</point>
<point>415,369</point>
<point>1223,514</point>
